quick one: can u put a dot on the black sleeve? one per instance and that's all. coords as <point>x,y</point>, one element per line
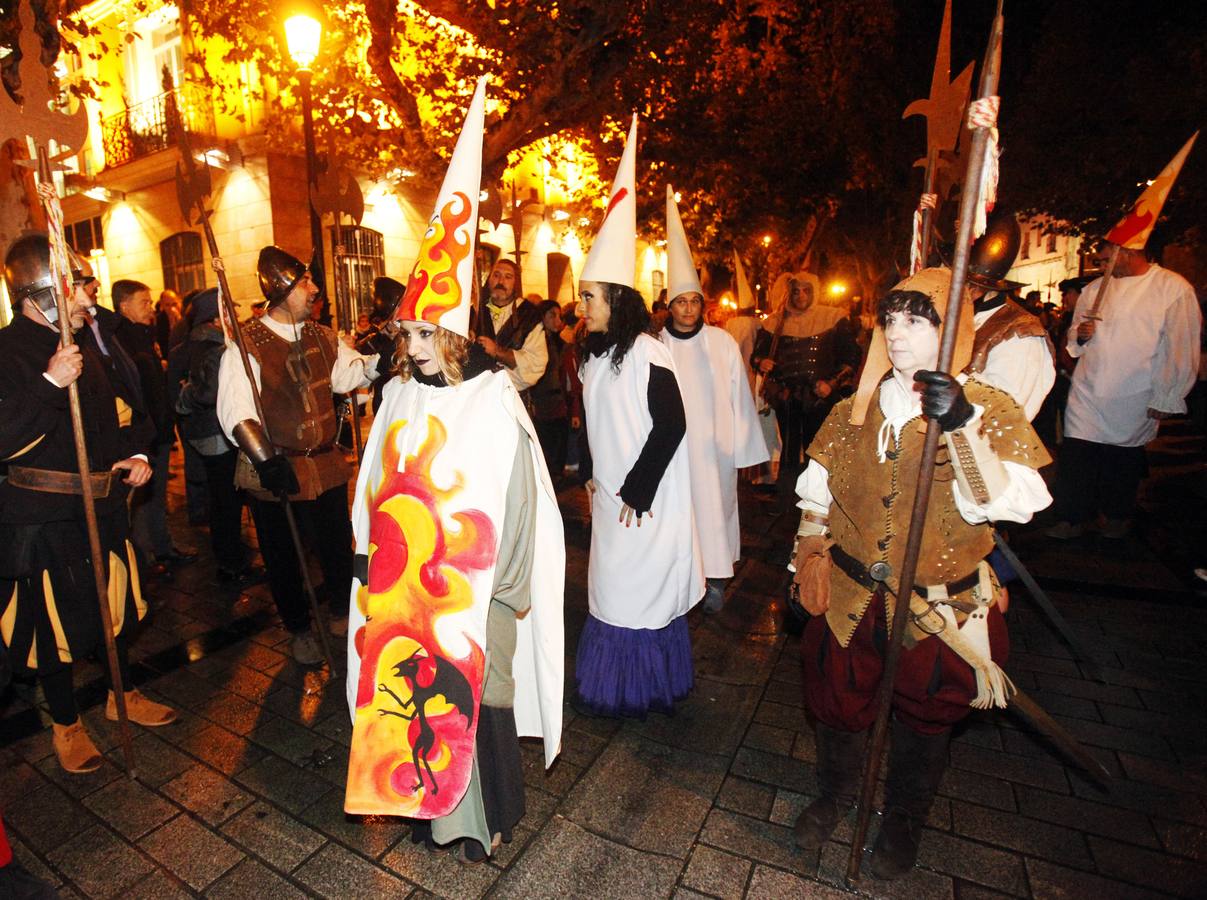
<point>762,347</point>
<point>847,348</point>
<point>670,424</point>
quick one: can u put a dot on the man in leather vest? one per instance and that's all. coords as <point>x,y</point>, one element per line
<point>299,365</point>
<point>509,331</point>
<point>1012,350</point>
<point>50,612</point>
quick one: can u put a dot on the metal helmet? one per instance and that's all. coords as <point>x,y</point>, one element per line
<point>993,253</point>
<point>27,273</point>
<point>279,273</point>
<point>387,294</point>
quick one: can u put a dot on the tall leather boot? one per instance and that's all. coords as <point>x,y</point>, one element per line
<point>916,764</point>
<point>839,767</point>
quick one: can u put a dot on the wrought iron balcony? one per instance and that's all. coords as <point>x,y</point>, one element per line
<point>150,126</point>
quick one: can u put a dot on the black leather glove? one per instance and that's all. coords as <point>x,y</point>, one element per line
<point>943,399</point>
<point>277,476</point>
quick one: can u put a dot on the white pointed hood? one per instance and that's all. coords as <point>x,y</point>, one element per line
<point>613,256</point>
<point>681,268</point>
<point>742,284</point>
<point>439,289</point>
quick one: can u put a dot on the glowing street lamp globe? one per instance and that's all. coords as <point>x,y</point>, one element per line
<point>302,35</point>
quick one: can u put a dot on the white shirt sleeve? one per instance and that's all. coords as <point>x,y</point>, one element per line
<point>1176,364</point>
<point>1023,368</point>
<point>813,488</point>
<point>530,360</point>
<point>1025,495</point>
<point>235,402</point>
<point>351,370</point>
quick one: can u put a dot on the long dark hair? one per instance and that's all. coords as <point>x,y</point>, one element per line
<point>628,319</point>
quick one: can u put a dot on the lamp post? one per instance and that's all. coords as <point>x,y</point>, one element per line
<point>303,33</point>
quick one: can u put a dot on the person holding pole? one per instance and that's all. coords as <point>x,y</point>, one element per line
<point>298,365</point>
<point>856,497</point>
<point>51,614</point>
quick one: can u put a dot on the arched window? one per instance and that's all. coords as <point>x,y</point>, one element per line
<point>183,262</point>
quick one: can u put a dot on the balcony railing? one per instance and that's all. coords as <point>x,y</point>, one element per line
<point>150,126</point>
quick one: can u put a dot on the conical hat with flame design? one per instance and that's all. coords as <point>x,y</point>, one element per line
<point>439,289</point>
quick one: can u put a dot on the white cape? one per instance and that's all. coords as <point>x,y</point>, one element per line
<point>723,435</point>
<point>648,576</point>
<point>487,416</point>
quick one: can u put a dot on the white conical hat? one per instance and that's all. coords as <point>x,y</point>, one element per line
<point>745,294</point>
<point>439,289</point>
<point>613,256</point>
<point>681,277</point>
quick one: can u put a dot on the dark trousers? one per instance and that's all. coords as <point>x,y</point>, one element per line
<point>932,689</point>
<point>1097,478</point>
<point>226,511</point>
<point>57,687</point>
<point>799,424</point>
<point>554,435</point>
<point>195,489</point>
<point>324,524</point>
<point>149,509</point>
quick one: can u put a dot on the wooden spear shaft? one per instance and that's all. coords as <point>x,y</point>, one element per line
<point>1107,276</point>
<point>66,339</point>
<point>969,199</point>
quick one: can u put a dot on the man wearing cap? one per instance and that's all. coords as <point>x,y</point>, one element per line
<point>1012,350</point>
<point>807,353</point>
<point>1138,357</point>
<point>723,432</point>
<point>510,332</point>
<point>298,364</point>
<point>856,499</point>
<point>50,615</point>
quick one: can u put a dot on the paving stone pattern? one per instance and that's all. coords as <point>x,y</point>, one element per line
<point>243,797</point>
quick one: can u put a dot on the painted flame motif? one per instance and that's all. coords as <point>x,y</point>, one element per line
<point>434,288</point>
<point>420,561</point>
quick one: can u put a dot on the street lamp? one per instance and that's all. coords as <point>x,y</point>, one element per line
<point>303,34</point>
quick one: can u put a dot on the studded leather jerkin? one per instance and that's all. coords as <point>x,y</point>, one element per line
<point>870,515</point>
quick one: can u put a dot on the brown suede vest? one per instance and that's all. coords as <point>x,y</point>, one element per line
<point>296,394</point>
<point>870,515</point>
<point>1010,321</point>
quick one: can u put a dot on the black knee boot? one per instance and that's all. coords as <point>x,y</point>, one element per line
<point>916,764</point>
<point>839,766</point>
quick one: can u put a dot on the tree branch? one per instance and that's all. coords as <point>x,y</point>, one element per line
<point>383,20</point>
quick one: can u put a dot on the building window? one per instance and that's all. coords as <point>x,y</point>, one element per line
<point>1052,242</point>
<point>1025,250</point>
<point>86,236</point>
<point>183,262</point>
<point>658,282</point>
<point>363,259</point>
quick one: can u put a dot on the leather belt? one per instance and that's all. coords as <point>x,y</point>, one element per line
<point>312,451</point>
<point>50,481</point>
<point>858,572</point>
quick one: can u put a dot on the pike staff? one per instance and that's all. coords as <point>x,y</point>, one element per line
<point>969,200</point>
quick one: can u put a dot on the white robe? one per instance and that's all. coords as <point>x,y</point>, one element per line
<point>1144,354</point>
<point>723,435</point>
<point>1021,366</point>
<point>483,418</point>
<point>647,576</point>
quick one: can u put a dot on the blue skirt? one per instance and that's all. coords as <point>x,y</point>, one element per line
<point>630,671</point>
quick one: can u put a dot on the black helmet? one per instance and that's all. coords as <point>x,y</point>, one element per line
<point>387,294</point>
<point>27,271</point>
<point>279,273</point>
<point>993,253</point>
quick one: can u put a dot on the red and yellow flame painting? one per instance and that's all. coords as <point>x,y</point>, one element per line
<point>434,287</point>
<point>421,558</point>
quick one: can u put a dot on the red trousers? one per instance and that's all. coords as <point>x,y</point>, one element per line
<point>930,694</point>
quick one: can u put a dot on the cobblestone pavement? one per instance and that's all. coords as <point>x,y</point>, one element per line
<point>243,797</point>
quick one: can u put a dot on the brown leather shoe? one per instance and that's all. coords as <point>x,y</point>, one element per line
<point>141,710</point>
<point>75,750</point>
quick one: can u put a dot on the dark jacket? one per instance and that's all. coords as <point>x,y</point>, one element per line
<point>193,369</point>
<point>139,342</point>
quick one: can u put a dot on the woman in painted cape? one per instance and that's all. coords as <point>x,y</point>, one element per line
<point>455,644</point>
<point>645,569</point>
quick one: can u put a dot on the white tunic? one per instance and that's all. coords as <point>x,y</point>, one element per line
<point>1020,366</point>
<point>723,435</point>
<point>1144,354</point>
<point>744,330</point>
<point>647,576</point>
